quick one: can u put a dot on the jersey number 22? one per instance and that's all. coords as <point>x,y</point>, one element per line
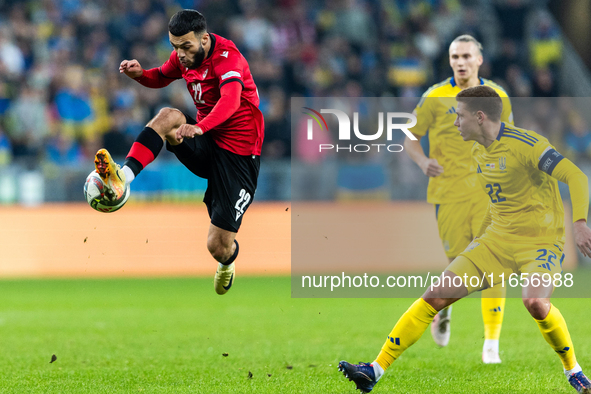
<point>197,92</point>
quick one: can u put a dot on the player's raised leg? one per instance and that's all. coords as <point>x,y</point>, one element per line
<point>144,150</point>
<point>150,141</point>
<point>409,328</point>
<point>224,248</point>
<point>554,330</point>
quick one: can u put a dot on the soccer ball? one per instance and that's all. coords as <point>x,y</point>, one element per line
<point>98,199</point>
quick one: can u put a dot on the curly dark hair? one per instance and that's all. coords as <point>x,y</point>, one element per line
<point>186,21</point>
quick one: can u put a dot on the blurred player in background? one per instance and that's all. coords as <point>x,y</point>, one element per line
<point>223,145</point>
<point>522,232</point>
<point>453,186</point>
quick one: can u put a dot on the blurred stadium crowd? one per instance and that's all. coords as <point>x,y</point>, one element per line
<point>62,97</point>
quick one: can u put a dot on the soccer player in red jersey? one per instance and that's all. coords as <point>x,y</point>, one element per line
<point>223,145</point>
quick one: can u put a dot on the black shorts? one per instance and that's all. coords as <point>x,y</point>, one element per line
<point>231,178</point>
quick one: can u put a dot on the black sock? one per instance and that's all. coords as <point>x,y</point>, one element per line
<point>233,257</point>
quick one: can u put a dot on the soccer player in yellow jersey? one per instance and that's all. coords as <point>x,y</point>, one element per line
<point>522,233</point>
<point>453,187</point>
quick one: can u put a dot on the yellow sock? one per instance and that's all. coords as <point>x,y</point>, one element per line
<point>493,310</point>
<point>555,332</point>
<point>409,328</point>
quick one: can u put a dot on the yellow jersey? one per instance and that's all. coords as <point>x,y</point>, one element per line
<point>515,171</point>
<point>436,113</point>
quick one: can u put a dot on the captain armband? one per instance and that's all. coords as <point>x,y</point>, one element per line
<point>548,160</point>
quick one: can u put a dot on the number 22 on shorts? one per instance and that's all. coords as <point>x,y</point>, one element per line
<point>242,203</point>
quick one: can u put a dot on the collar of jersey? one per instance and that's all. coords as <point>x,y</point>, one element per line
<point>501,131</point>
<point>453,82</point>
<point>212,47</point>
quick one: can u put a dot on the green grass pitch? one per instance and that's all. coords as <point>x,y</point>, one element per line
<point>170,336</point>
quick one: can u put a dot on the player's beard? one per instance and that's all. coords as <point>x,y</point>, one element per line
<point>198,58</point>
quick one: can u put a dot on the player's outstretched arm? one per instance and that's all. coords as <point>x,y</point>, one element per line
<point>223,109</point>
<point>158,77</point>
<point>131,68</point>
<point>430,167</point>
<point>578,184</point>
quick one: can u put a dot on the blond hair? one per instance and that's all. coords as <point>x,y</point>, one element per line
<point>468,38</point>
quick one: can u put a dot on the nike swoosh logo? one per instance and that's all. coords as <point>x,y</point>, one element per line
<point>229,284</point>
<point>364,375</point>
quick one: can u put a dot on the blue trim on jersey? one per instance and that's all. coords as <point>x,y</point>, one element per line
<point>530,136</point>
<point>501,131</point>
<point>549,161</point>
<point>517,138</point>
<point>525,137</point>
<point>453,81</point>
<point>523,134</point>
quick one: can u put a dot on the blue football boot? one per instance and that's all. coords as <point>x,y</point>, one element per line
<point>362,375</point>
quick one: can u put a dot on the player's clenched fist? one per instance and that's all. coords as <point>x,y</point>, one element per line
<point>131,68</point>
<point>188,131</point>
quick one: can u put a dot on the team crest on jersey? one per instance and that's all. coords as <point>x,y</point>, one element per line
<point>503,164</point>
<point>205,74</point>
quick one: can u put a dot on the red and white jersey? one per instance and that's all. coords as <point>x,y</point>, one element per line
<point>243,132</point>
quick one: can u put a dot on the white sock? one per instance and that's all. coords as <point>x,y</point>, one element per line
<point>224,266</point>
<point>377,370</point>
<point>129,175</point>
<point>491,344</point>
<point>576,369</point>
